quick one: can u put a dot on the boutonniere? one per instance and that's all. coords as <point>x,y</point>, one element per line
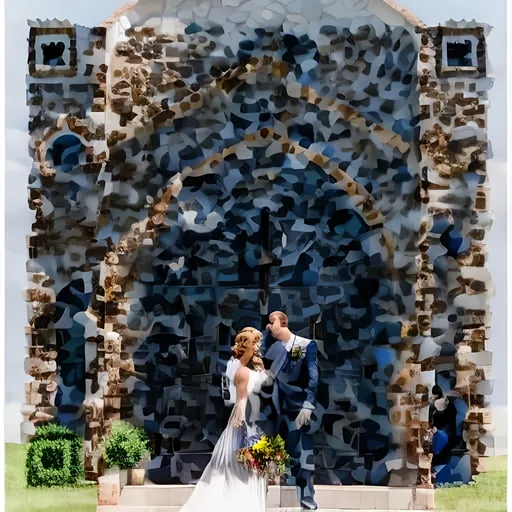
<point>298,353</point>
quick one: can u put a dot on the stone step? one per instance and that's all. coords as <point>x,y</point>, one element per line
<point>142,508</point>
<point>328,497</point>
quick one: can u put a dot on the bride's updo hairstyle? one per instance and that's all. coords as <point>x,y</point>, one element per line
<point>247,338</point>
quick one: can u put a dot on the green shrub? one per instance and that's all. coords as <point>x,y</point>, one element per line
<point>125,446</point>
<point>54,458</point>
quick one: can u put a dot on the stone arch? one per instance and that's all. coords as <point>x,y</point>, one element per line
<point>134,244</point>
<point>64,153</point>
<point>91,155</point>
<point>163,117</point>
<point>363,202</point>
<point>122,256</point>
<point>240,74</point>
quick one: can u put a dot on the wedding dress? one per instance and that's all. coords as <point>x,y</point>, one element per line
<point>226,485</point>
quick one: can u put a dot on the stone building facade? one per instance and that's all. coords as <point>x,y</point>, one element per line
<point>196,166</point>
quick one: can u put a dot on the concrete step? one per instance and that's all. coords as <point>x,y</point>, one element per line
<point>127,508</point>
<point>167,498</point>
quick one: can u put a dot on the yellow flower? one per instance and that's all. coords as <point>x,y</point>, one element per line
<point>260,444</point>
<point>298,353</point>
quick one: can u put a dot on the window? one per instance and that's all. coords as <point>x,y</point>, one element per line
<point>52,50</point>
<point>52,54</point>
<point>460,52</point>
<point>64,154</point>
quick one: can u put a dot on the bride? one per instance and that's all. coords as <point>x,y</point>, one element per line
<point>226,486</point>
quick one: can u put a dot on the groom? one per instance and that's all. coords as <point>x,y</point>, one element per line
<point>294,366</point>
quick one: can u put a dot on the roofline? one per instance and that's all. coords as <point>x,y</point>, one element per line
<point>409,16</point>
<point>117,14</point>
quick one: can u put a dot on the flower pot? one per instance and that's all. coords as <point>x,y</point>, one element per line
<point>123,477</point>
<point>136,476</point>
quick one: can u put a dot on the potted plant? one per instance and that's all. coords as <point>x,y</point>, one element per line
<point>126,447</point>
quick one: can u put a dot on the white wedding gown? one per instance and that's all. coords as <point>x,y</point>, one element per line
<point>225,485</point>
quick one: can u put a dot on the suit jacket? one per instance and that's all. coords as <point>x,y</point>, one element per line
<point>296,371</point>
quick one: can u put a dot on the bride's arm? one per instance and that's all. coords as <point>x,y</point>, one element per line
<point>241,382</point>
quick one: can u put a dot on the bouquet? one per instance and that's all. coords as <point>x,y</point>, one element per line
<point>266,457</point>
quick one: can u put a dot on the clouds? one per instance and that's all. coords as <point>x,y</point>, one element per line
<point>12,422</point>
<point>17,147</point>
<point>18,220</point>
<point>497,265</point>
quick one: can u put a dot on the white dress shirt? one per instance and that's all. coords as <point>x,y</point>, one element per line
<point>289,343</point>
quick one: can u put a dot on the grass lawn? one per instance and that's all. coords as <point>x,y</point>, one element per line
<point>488,495</point>
<point>19,498</point>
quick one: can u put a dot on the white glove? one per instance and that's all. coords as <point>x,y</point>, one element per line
<point>268,378</point>
<point>304,418</point>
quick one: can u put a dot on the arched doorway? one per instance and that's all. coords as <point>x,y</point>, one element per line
<point>237,248</point>
<point>226,251</point>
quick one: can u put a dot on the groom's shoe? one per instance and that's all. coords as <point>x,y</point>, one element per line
<point>308,504</point>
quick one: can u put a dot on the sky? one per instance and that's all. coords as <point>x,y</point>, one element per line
<point>19,218</point>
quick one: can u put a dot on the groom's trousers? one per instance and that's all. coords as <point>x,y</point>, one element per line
<point>299,444</point>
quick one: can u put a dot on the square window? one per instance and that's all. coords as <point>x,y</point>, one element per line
<point>53,54</point>
<point>53,50</point>
<point>460,54</point>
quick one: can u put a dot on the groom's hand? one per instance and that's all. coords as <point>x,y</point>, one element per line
<point>276,328</point>
<point>304,418</point>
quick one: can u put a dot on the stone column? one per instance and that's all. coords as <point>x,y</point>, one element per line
<point>454,149</point>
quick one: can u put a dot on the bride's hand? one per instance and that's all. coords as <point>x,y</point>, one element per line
<point>269,377</point>
<point>238,416</point>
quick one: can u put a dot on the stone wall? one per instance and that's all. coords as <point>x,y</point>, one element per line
<point>454,285</point>
<point>266,168</point>
<point>67,143</point>
<point>190,176</point>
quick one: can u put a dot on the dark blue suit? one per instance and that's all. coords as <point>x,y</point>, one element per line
<point>295,388</point>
